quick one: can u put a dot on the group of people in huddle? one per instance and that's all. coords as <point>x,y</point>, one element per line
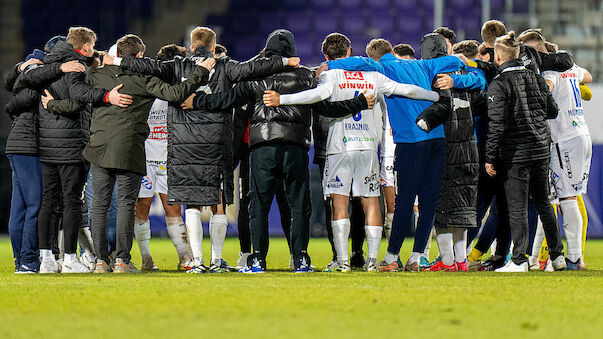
<point>470,130</point>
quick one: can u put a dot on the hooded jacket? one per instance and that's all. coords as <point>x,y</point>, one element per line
<point>458,191</point>
<point>282,124</point>
<point>519,103</point>
<point>62,138</point>
<point>22,109</point>
<point>200,154</point>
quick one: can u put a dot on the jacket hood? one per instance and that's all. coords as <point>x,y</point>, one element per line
<point>280,42</point>
<point>433,45</point>
<point>64,51</point>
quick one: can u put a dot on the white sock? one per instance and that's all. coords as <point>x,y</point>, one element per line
<point>428,246</point>
<point>195,232</point>
<point>142,233</point>
<point>538,239</point>
<point>70,258</point>
<point>341,233</point>
<point>387,225</point>
<point>47,255</point>
<point>177,232</point>
<point>415,256</point>
<point>459,237</point>
<point>572,223</point>
<point>444,241</point>
<point>390,258</point>
<point>217,234</point>
<point>84,238</point>
<point>493,247</point>
<point>373,240</point>
<point>61,243</point>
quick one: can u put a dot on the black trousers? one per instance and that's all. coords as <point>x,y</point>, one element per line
<point>242,157</point>
<point>271,164</point>
<point>520,181</point>
<point>356,219</point>
<point>64,181</point>
<point>128,186</point>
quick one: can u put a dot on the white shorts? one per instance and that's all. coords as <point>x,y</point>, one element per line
<point>355,171</point>
<point>570,166</point>
<point>155,181</point>
<point>388,177</point>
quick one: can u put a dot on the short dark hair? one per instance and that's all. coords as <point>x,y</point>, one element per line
<point>468,48</point>
<point>447,33</point>
<point>335,46</point>
<point>220,49</point>
<point>404,50</point>
<point>169,52</point>
<point>377,48</point>
<point>482,49</point>
<point>130,45</point>
<point>533,36</point>
<point>491,30</point>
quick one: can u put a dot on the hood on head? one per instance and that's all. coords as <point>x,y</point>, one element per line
<point>36,54</point>
<point>433,45</point>
<point>280,42</point>
<point>52,42</point>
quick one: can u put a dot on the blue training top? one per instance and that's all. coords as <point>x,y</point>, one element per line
<point>403,111</point>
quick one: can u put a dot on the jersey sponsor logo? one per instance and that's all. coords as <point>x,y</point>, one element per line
<point>334,183</point>
<point>353,85</point>
<point>568,164</point>
<point>372,181</point>
<point>353,75</point>
<point>491,98</point>
<point>158,133</point>
<point>357,139</point>
<point>568,75</point>
<point>146,183</point>
<point>575,112</point>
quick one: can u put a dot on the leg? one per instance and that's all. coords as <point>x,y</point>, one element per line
<point>103,183</point>
<point>243,218</point>
<point>176,230</point>
<point>341,226</point>
<point>390,197</point>
<point>128,185</point>
<point>297,189</point>
<point>264,163</point>
<point>539,189</point>
<point>285,212</point>
<point>217,233</point>
<point>73,178</point>
<point>357,223</point>
<point>373,228</point>
<point>328,210</point>
<point>31,189</point>
<point>50,197</point>
<point>516,183</point>
<point>16,220</point>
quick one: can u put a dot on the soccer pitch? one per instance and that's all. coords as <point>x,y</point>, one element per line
<point>281,304</point>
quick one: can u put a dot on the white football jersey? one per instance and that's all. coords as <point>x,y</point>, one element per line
<point>156,144</point>
<point>570,122</point>
<point>388,146</point>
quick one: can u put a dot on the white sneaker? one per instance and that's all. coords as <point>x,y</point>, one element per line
<point>89,258</point>
<point>75,267</point>
<point>559,263</point>
<point>549,266</point>
<point>534,264</point>
<point>511,267</point>
<point>370,265</point>
<point>242,261</point>
<point>337,266</point>
<point>49,266</point>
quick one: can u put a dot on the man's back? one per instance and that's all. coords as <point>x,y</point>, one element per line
<point>519,104</point>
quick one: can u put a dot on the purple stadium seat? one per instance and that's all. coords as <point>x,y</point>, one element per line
<point>300,23</point>
<point>323,4</point>
<point>351,4</point>
<point>376,5</point>
<point>325,24</point>
<point>382,22</point>
<point>405,5</point>
<point>295,4</point>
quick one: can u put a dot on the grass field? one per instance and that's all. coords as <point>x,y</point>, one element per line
<point>279,303</point>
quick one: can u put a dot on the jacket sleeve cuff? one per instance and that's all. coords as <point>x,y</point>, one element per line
<point>285,61</point>
<point>117,61</point>
<point>106,98</point>
<point>363,101</point>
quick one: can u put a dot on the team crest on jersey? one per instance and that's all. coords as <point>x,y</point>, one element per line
<point>353,75</point>
<point>334,183</point>
<point>146,183</point>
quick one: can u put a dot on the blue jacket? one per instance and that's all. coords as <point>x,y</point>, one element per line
<point>403,111</point>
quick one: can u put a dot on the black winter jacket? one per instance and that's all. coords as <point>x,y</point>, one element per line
<point>62,138</point>
<point>458,190</point>
<point>200,141</point>
<point>519,103</point>
<point>283,124</point>
<point>22,109</point>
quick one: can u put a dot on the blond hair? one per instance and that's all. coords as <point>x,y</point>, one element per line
<point>79,36</point>
<point>203,37</point>
<point>377,48</point>
<point>491,30</point>
<point>507,46</point>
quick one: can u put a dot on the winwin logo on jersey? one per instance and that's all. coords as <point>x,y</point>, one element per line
<point>334,183</point>
<point>146,183</point>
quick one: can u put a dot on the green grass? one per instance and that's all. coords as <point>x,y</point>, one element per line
<point>281,304</point>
